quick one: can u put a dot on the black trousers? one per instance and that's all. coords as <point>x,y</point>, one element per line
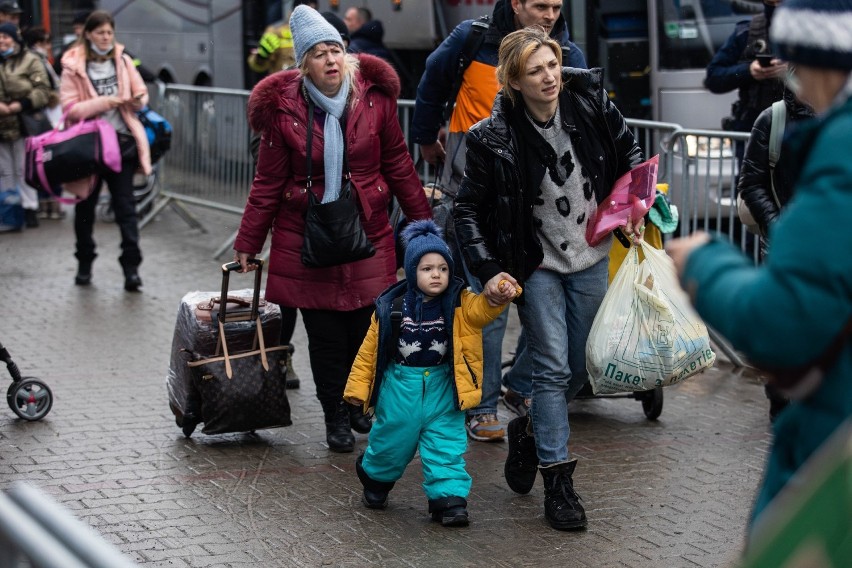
<point>288,324</point>
<point>123,204</point>
<point>333,342</point>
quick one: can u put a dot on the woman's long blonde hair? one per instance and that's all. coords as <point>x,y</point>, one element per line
<point>350,69</point>
<point>515,50</point>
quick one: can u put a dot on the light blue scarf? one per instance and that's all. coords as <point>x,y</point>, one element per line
<point>333,134</point>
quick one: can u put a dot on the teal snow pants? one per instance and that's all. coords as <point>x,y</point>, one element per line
<point>416,411</point>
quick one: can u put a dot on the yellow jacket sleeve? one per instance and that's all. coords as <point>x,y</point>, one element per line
<point>362,377</point>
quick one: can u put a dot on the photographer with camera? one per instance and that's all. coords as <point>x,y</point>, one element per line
<point>745,62</point>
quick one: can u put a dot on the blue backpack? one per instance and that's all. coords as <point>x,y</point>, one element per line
<point>159,132</point>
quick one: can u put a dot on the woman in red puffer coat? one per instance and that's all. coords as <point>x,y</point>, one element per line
<point>354,106</point>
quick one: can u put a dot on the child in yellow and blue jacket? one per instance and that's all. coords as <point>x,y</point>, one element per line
<point>419,372</point>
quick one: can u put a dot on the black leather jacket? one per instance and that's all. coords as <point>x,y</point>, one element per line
<point>754,181</point>
<point>494,208</point>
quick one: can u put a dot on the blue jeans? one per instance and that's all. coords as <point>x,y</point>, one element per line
<point>492,355</point>
<point>557,318</point>
<point>518,378</point>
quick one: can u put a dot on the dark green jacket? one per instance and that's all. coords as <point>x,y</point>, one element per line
<point>24,79</point>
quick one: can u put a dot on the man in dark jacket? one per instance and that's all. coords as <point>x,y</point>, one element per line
<point>366,34</point>
<point>738,65</point>
<point>537,169</point>
<point>473,103</point>
<point>11,12</point>
<point>766,192</point>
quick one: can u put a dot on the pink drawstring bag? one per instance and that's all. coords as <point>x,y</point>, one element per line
<point>632,196</point>
<point>76,152</point>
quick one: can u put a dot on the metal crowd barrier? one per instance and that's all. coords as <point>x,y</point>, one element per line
<point>37,532</point>
<point>704,174</point>
<point>210,166</point>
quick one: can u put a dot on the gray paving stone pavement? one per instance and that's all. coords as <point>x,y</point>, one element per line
<point>671,493</point>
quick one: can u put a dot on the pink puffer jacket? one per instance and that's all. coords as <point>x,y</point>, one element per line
<point>80,100</point>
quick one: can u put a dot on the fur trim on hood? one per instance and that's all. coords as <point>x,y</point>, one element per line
<point>281,89</point>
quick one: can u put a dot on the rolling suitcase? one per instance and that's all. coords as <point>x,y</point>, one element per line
<point>225,369</point>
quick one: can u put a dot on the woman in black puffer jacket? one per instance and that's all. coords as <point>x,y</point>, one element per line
<point>754,183</point>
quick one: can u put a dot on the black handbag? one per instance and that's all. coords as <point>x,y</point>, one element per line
<point>244,391</point>
<point>333,232</point>
<point>34,122</point>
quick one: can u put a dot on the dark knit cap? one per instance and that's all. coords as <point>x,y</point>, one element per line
<point>11,30</point>
<point>816,33</point>
<point>422,237</point>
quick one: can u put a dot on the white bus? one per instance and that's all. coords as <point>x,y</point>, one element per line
<point>207,42</point>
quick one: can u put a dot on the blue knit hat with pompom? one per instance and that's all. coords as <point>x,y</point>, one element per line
<point>419,238</point>
<point>816,33</point>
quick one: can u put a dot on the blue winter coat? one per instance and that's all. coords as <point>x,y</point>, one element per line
<point>441,66</point>
<point>786,312</point>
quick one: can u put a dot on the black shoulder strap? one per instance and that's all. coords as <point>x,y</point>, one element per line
<point>396,323</point>
<point>471,46</point>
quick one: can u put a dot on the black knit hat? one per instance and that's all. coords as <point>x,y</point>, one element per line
<point>11,30</point>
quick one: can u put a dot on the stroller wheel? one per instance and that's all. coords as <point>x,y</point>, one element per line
<point>652,403</point>
<point>29,398</point>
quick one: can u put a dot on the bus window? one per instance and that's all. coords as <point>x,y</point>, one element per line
<point>691,31</point>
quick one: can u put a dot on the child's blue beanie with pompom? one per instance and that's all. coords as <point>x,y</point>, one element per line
<point>419,238</point>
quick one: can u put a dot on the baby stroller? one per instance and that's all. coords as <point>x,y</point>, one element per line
<point>28,397</point>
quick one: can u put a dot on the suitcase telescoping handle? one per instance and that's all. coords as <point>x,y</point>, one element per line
<point>229,267</point>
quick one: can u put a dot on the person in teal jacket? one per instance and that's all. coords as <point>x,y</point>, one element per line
<point>794,311</point>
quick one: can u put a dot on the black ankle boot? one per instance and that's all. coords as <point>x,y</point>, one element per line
<point>449,511</point>
<point>522,460</point>
<point>359,421</point>
<point>337,430</point>
<point>84,273</point>
<point>132,282</point>
<point>375,492</point>
<point>562,507</point>
<point>31,218</point>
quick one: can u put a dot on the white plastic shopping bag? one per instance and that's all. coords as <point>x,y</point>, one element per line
<point>646,334</point>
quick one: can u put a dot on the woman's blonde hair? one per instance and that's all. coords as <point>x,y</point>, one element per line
<point>350,68</point>
<point>515,50</point>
